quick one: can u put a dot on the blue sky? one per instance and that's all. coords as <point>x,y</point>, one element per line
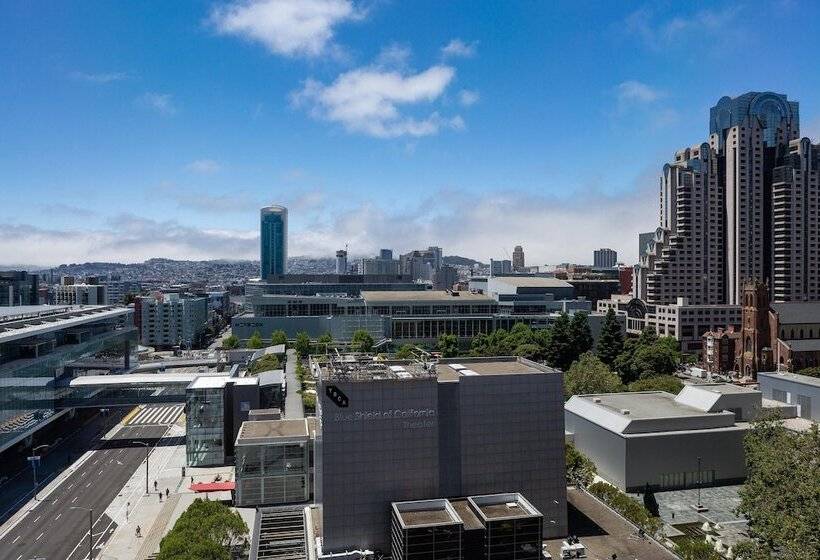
<point>132,130</point>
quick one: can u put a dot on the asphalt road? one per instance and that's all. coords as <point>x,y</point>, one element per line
<point>54,531</point>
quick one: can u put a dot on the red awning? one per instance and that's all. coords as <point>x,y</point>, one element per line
<point>212,486</point>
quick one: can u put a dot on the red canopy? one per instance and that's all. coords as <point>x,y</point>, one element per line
<point>212,486</point>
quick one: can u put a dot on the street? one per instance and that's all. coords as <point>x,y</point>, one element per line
<point>52,530</point>
<point>293,399</point>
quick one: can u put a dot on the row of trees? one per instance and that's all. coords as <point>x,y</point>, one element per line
<point>207,530</point>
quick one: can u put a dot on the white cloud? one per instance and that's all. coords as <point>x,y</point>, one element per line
<point>468,97</point>
<point>286,27</point>
<point>162,103</point>
<point>659,33</point>
<point>204,166</point>
<point>635,91</point>
<point>458,48</point>
<point>369,100</point>
<point>103,78</point>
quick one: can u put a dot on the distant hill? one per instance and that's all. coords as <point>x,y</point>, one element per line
<point>455,260</point>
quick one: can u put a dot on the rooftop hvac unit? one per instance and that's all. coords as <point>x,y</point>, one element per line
<point>625,411</point>
<point>596,399</point>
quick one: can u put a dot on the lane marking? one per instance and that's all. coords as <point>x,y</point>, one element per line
<point>58,516</point>
<point>18,558</point>
<point>87,485</point>
<point>74,500</point>
<point>17,538</point>
<point>39,536</point>
<point>36,519</point>
<point>99,473</point>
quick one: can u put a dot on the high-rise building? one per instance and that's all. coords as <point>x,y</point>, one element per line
<point>18,288</point>
<point>169,320</point>
<point>743,206</point>
<point>604,258</point>
<point>381,264</point>
<point>643,241</point>
<point>80,294</point>
<point>274,240</point>
<point>341,261</point>
<point>518,259</point>
<point>500,267</point>
<point>421,264</point>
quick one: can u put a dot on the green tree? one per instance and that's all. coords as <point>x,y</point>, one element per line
<point>696,549</point>
<point>611,341</point>
<point>406,352</point>
<point>278,337</point>
<point>361,341</point>
<point>590,375</point>
<point>448,345</point>
<point>324,341</point>
<point>560,352</point>
<point>751,550</point>
<point>207,530</point>
<point>528,350</point>
<point>655,359</point>
<point>811,371</point>
<point>255,341</point>
<point>580,334</point>
<point>302,344</point>
<point>668,383</point>
<point>580,470</point>
<point>230,342</point>
<point>782,490</point>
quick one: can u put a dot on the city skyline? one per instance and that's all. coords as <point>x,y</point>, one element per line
<point>371,132</point>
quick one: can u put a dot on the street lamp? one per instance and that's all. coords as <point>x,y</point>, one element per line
<point>146,464</point>
<point>90,530</point>
<point>34,459</point>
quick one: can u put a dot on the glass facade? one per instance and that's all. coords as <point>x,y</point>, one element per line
<point>35,367</point>
<point>205,422</point>
<point>274,240</point>
<point>273,473</point>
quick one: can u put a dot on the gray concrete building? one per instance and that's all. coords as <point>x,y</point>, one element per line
<point>401,431</point>
<point>18,287</point>
<point>655,438</point>
<point>518,263</point>
<point>798,390</point>
<point>604,258</point>
<point>169,320</point>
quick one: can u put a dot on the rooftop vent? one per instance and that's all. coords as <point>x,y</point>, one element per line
<point>512,505</point>
<point>625,411</point>
<point>596,399</point>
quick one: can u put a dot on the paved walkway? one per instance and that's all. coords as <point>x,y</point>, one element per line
<point>293,400</point>
<point>604,533</point>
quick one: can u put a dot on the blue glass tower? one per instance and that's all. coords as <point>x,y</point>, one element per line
<point>274,240</point>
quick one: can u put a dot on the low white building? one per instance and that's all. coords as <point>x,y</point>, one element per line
<point>80,294</point>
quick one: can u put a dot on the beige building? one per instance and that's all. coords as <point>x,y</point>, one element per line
<point>744,205</point>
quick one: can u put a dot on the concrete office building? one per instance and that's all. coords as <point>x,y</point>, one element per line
<point>18,288</point>
<point>38,345</point>
<point>683,320</point>
<point>401,431</point>
<point>643,242</point>
<point>341,261</point>
<point>274,462</point>
<point>604,258</point>
<point>655,438</point>
<point>274,240</point>
<point>116,291</point>
<point>80,294</point>
<point>492,526</point>
<point>743,206</point>
<point>498,268</point>
<point>324,284</point>
<point>445,278</point>
<point>518,264</point>
<point>421,264</point>
<point>381,264</point>
<point>167,320</point>
<point>802,391</point>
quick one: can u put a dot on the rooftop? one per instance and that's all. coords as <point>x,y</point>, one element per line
<point>532,281</point>
<point>804,345</point>
<point>425,513</point>
<point>502,506</point>
<point>28,320</point>
<point>796,377</point>
<point>219,381</point>
<point>467,515</point>
<point>254,432</point>
<point>424,296</point>
<point>797,312</point>
<point>453,369</point>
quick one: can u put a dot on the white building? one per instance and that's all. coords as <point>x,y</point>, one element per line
<point>80,294</point>
<point>170,320</point>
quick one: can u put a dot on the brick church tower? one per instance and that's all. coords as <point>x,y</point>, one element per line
<point>754,350</point>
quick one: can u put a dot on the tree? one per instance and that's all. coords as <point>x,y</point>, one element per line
<point>580,470</point>
<point>580,334</point>
<point>696,549</point>
<point>528,350</point>
<point>782,488</point>
<point>230,342</point>
<point>278,337</point>
<point>751,550</point>
<point>611,341</point>
<point>448,345</point>
<point>406,352</point>
<point>655,359</point>
<point>560,353</point>
<point>324,341</point>
<point>668,383</point>
<point>361,341</point>
<point>302,344</point>
<point>255,341</point>
<point>590,375</point>
<point>207,530</point>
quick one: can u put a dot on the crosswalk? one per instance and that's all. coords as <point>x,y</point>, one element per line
<point>156,415</point>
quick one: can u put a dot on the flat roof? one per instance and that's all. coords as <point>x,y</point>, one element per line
<point>141,378</point>
<point>219,381</point>
<point>494,507</point>
<point>425,513</point>
<point>40,319</point>
<point>644,405</point>
<point>465,367</point>
<point>796,377</point>
<point>533,281</point>
<point>467,515</point>
<point>259,431</point>
<point>424,296</point>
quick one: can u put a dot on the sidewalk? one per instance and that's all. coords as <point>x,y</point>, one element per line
<point>156,518</point>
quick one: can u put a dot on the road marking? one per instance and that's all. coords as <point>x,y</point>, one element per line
<point>74,500</point>
<point>36,519</point>
<point>59,515</point>
<point>99,473</point>
<point>70,486</point>
<point>17,538</point>
<point>87,485</point>
<point>39,536</point>
<point>18,558</point>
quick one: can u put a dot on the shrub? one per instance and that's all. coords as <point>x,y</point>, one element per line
<point>626,506</point>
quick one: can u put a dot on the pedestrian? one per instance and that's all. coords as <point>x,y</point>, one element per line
<point>160,497</point>
<point>138,532</point>
<point>155,486</point>
<point>166,492</point>
<point>192,480</point>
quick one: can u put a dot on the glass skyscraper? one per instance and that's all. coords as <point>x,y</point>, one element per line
<point>274,240</point>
